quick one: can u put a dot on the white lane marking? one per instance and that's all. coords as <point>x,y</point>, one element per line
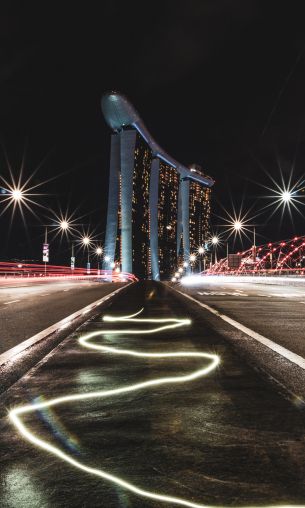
<point>219,293</point>
<point>12,301</point>
<point>44,294</point>
<point>66,289</point>
<point>286,295</point>
<point>286,353</point>
<point>15,414</point>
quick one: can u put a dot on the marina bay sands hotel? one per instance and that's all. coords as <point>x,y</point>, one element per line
<point>158,209</point>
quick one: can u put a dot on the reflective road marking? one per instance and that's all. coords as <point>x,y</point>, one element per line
<point>286,353</point>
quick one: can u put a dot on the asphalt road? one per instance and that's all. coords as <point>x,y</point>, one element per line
<point>224,439</point>
<point>28,309</point>
<point>277,312</point>
<point>272,313</point>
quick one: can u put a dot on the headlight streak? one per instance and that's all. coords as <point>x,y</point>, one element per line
<point>16,412</point>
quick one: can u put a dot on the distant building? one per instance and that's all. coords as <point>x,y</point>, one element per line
<point>200,212</point>
<point>157,208</point>
<point>168,202</point>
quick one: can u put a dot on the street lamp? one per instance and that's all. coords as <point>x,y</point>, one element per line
<point>98,252</point>
<point>185,264</point>
<point>17,194</point>
<point>201,251</point>
<point>237,225</point>
<point>215,242</point>
<point>86,242</point>
<point>180,270</point>
<point>64,225</point>
<point>286,196</point>
<point>192,260</point>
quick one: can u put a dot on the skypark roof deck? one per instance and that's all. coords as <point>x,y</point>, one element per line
<point>120,113</point>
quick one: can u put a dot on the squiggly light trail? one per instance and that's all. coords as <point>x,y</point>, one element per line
<point>15,413</point>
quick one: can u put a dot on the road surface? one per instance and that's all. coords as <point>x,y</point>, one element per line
<point>28,309</point>
<point>226,438</point>
<point>277,313</point>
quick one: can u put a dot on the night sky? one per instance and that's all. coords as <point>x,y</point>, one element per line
<point>220,83</point>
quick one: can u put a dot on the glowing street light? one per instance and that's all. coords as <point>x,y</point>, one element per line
<point>17,194</point>
<point>192,260</point>
<point>238,225</point>
<point>174,279</point>
<point>64,225</point>
<point>112,265</point>
<point>286,196</point>
<point>214,242</point>
<point>177,275</point>
<point>98,252</point>
<point>185,264</point>
<point>86,240</point>
<point>180,270</point>
<point>107,259</point>
<point>201,251</point>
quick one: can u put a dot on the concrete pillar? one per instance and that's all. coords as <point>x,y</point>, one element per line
<point>128,143</point>
<point>153,211</point>
<point>185,199</point>
<point>179,221</point>
<point>113,202</point>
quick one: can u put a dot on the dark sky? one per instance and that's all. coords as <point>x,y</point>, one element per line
<point>220,83</point>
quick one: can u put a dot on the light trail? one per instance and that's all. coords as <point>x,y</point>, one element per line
<point>167,323</point>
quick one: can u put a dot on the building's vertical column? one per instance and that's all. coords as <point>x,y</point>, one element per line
<point>128,143</point>
<point>185,199</point>
<point>113,202</point>
<point>153,211</point>
<point>179,221</point>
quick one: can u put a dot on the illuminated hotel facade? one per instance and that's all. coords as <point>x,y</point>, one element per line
<point>157,207</point>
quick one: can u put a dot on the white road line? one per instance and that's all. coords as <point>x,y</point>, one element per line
<point>12,301</point>
<point>44,294</point>
<point>286,353</point>
<point>66,289</point>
